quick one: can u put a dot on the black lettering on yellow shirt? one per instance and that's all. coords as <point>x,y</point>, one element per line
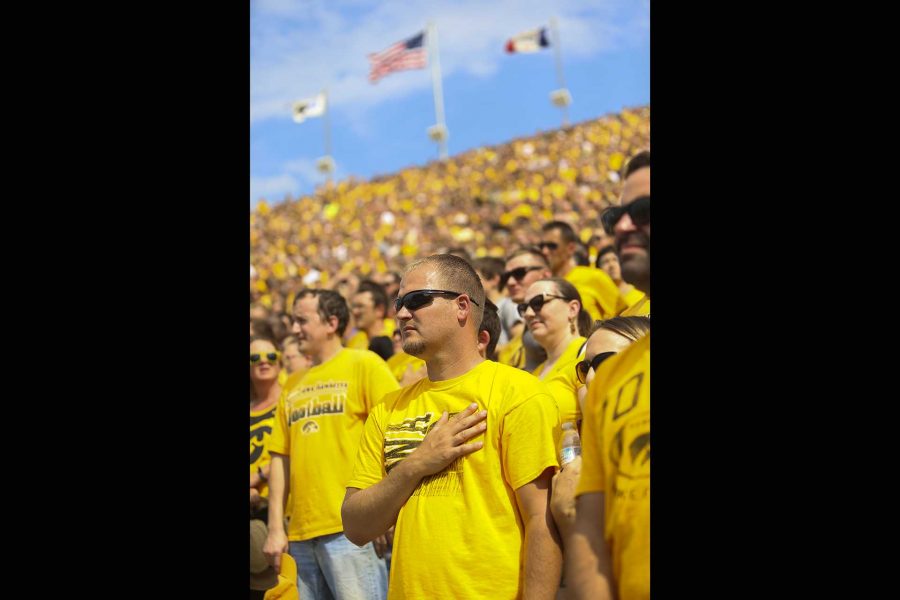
<point>401,439</point>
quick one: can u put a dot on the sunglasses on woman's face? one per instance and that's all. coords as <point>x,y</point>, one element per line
<point>582,368</point>
<point>638,210</point>
<point>536,303</point>
<point>270,357</point>
<point>418,298</point>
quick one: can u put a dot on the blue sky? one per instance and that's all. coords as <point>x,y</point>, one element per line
<point>299,47</point>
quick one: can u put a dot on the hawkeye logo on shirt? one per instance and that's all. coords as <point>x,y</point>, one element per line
<point>260,429</point>
<point>403,438</point>
<point>318,399</point>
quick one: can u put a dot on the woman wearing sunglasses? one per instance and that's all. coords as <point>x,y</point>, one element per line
<point>265,366</point>
<point>553,313</point>
<point>609,338</point>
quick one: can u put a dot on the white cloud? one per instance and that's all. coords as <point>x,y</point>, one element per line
<point>301,46</point>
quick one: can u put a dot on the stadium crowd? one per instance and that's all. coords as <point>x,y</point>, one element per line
<point>425,347</point>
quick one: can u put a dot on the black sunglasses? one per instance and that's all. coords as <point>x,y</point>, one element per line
<point>517,274</point>
<point>536,303</point>
<point>638,210</point>
<point>417,299</point>
<point>551,246</point>
<point>582,368</point>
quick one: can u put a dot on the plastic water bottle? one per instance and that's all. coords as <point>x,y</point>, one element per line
<point>570,444</point>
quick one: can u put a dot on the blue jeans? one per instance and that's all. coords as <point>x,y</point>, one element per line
<point>333,567</point>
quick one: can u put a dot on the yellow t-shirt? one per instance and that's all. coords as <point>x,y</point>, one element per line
<point>260,432</point>
<point>638,304</point>
<point>600,296</point>
<point>293,379</point>
<point>389,326</point>
<point>616,461</point>
<point>513,353</point>
<point>633,296</point>
<point>572,351</point>
<point>360,339</point>
<point>460,533</point>
<point>282,377</point>
<point>401,361</point>
<point>563,382</point>
<point>318,424</point>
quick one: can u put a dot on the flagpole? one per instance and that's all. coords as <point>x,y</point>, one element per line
<point>562,98</point>
<point>437,132</point>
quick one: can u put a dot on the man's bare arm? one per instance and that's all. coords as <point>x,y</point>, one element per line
<point>543,552</point>
<point>588,566</point>
<point>369,513</point>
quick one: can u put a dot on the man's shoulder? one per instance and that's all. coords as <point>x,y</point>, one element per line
<point>588,275</point>
<point>293,379</point>
<point>518,382</point>
<point>353,356</point>
<point>344,363</point>
<point>366,368</point>
<point>507,371</point>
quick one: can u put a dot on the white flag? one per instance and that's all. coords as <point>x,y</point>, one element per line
<point>528,41</point>
<point>309,107</point>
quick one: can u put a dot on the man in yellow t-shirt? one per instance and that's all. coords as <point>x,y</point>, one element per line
<point>523,267</point>
<point>606,531</point>
<point>461,460</point>
<point>369,306</point>
<point>637,301</point>
<point>318,424</point>
<point>600,296</point>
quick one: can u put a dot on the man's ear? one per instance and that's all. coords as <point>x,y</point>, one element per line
<point>466,304</point>
<point>484,338</point>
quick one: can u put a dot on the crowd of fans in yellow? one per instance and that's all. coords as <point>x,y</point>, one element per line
<point>487,201</point>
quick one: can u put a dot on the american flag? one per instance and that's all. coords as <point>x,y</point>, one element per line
<point>407,54</point>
